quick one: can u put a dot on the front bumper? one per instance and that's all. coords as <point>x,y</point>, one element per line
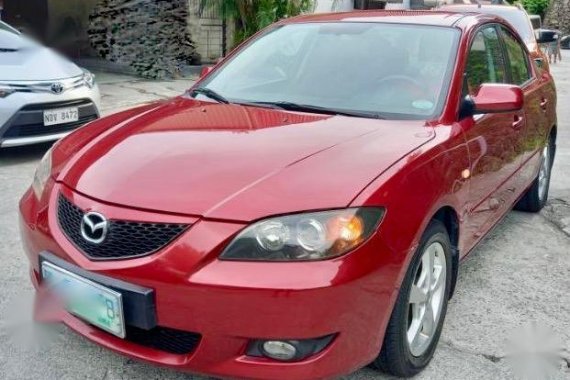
<point>228,304</point>
<point>21,115</point>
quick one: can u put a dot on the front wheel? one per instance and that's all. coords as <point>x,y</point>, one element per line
<point>417,319</point>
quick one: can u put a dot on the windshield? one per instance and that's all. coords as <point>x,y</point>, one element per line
<point>12,41</point>
<point>390,70</point>
<point>7,28</point>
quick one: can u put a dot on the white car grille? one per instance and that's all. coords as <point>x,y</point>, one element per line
<point>52,87</point>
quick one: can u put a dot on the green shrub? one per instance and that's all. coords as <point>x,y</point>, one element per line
<point>535,7</point>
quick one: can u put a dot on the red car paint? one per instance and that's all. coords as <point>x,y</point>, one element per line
<point>221,167</point>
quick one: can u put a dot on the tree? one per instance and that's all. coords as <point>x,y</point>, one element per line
<point>251,16</point>
<point>535,7</point>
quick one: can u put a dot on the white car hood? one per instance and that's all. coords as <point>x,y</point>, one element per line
<point>24,60</point>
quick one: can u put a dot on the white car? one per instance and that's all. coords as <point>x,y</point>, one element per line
<point>43,96</point>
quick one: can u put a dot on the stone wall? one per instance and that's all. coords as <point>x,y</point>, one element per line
<point>152,36</point>
<point>558,16</point>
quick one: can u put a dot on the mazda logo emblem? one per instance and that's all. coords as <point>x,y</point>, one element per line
<point>57,88</point>
<point>94,227</point>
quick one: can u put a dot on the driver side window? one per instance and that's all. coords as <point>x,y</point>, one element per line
<point>485,62</point>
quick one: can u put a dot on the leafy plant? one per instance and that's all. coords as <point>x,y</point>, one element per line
<point>251,16</point>
<point>535,7</point>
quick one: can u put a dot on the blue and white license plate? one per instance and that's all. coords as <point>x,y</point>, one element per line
<point>96,304</point>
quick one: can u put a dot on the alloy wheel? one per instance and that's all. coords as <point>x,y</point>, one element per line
<point>426,299</point>
<point>544,173</point>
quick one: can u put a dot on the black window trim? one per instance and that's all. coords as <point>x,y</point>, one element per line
<point>479,29</point>
<point>460,115</point>
<point>501,29</point>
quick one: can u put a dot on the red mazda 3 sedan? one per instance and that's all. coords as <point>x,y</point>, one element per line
<point>302,210</point>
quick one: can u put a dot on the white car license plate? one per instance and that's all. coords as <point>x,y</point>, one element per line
<point>96,304</point>
<point>61,116</point>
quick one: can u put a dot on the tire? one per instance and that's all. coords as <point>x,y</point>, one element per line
<point>536,196</point>
<point>399,356</point>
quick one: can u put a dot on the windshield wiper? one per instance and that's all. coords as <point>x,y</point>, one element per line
<point>290,106</point>
<point>210,94</point>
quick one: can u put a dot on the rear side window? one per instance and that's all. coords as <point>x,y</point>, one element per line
<point>518,62</point>
<point>485,63</point>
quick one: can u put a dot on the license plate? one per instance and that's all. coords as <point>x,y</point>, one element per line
<point>96,304</point>
<point>61,116</point>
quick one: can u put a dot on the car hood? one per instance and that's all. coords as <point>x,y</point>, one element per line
<point>24,60</point>
<point>237,163</point>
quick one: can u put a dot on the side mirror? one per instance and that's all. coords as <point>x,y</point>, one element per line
<point>205,71</point>
<point>544,36</point>
<point>494,98</point>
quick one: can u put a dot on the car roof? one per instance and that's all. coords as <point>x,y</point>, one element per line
<point>506,7</point>
<point>427,17</point>
<point>484,8</point>
<point>516,16</point>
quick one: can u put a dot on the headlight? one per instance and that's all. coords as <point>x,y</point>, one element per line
<point>43,171</point>
<point>308,236</point>
<point>88,79</point>
<point>5,90</point>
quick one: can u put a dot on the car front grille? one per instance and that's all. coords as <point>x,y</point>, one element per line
<point>125,239</point>
<point>52,105</point>
<point>38,130</point>
<point>29,121</point>
<point>164,339</point>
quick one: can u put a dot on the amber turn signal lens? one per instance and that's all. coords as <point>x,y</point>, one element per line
<point>352,229</point>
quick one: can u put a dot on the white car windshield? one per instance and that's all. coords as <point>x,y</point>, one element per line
<point>7,28</point>
<point>378,69</point>
<point>12,41</point>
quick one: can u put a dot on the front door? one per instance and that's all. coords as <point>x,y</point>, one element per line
<point>495,141</point>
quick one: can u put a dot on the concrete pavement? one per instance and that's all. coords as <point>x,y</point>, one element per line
<point>120,92</point>
<point>521,273</point>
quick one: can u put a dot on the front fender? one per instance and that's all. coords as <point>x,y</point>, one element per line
<point>416,188</point>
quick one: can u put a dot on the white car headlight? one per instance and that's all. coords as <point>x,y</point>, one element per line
<point>88,78</point>
<point>5,90</point>
<point>43,172</point>
<point>307,236</point>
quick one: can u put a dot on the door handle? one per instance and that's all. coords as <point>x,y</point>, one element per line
<point>518,122</point>
<point>543,103</point>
